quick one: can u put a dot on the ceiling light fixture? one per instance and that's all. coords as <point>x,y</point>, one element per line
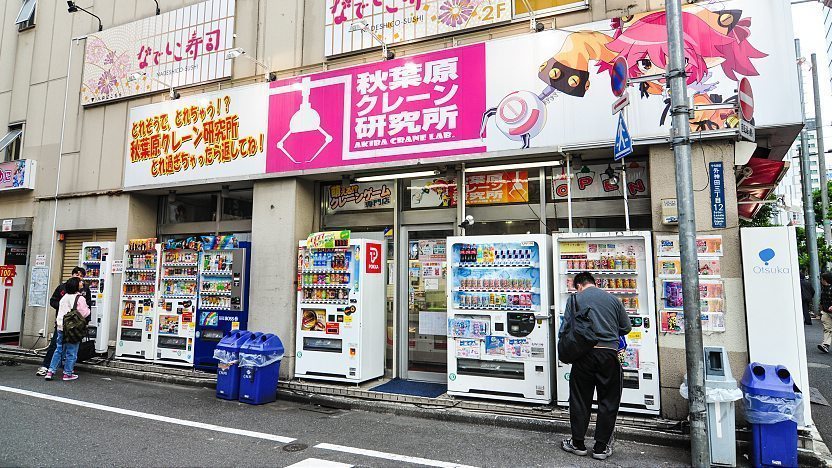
<point>401,175</point>
<point>509,167</point>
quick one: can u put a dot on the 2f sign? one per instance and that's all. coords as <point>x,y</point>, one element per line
<point>373,257</point>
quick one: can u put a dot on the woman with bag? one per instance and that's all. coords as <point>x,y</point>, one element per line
<point>71,321</point>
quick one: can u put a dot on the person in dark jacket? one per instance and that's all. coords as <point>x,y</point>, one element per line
<point>826,310</point>
<point>54,302</point>
<point>599,371</point>
<point>807,292</point>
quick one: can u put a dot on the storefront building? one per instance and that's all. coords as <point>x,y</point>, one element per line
<point>475,127</point>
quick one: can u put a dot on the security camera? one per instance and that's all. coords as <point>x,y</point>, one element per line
<point>469,221</point>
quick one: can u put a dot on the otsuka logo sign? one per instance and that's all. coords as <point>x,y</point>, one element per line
<point>373,258</point>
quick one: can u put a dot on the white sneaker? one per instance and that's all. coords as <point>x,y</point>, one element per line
<point>41,371</point>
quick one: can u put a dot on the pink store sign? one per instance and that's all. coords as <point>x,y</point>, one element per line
<point>418,107</point>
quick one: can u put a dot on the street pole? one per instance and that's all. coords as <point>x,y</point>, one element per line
<point>824,186</point>
<point>680,141</point>
<point>806,187</point>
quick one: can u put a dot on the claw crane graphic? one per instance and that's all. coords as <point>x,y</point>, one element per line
<point>305,120</point>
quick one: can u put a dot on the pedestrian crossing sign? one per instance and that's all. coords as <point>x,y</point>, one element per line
<point>623,142</point>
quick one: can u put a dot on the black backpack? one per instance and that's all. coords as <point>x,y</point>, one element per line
<point>75,325</point>
<point>577,338</point>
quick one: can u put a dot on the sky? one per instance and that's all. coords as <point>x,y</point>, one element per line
<point>807,19</point>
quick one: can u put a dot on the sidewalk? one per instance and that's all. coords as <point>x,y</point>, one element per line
<point>545,418</point>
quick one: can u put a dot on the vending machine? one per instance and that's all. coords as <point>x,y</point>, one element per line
<point>500,318</point>
<point>139,296</point>
<point>13,267</point>
<point>223,296</point>
<point>341,299</point>
<point>622,264</point>
<point>97,259</point>
<point>176,309</point>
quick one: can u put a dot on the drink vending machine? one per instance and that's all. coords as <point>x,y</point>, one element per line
<point>176,310</point>
<point>14,254</point>
<point>139,295</point>
<point>223,295</point>
<point>97,259</point>
<point>341,299</point>
<point>499,317</point>
<point>622,264</point>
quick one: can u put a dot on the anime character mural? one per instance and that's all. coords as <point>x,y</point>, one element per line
<point>713,40</point>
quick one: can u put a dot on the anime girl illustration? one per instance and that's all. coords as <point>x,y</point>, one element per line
<point>712,40</point>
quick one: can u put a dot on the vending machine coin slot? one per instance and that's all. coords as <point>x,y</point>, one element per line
<point>499,327</point>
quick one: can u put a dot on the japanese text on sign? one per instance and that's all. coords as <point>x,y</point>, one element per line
<point>717,195</point>
<point>358,197</point>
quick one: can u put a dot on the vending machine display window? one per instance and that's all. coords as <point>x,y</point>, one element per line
<point>139,294</point>
<point>96,258</point>
<point>176,312</point>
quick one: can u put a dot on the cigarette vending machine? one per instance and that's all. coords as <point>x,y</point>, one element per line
<point>13,268</point>
<point>96,258</point>
<point>499,317</point>
<point>139,295</point>
<point>176,309</point>
<point>223,298</point>
<point>622,264</point>
<point>341,300</point>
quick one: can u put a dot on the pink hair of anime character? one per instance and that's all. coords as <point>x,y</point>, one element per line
<point>647,38</point>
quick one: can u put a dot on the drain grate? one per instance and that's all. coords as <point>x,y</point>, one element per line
<point>295,447</point>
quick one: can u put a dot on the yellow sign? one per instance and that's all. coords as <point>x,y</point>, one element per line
<point>634,336</point>
<point>573,248</point>
<point>328,240</point>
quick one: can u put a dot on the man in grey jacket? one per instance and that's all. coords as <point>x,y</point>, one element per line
<point>599,370</point>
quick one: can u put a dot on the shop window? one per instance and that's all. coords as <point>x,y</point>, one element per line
<point>11,145</point>
<point>191,208</point>
<point>499,228</point>
<point>433,192</point>
<point>237,205</point>
<point>26,16</point>
<point>521,7</point>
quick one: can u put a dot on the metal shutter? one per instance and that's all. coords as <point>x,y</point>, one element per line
<point>72,247</point>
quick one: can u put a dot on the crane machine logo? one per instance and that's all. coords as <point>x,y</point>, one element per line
<point>374,258</point>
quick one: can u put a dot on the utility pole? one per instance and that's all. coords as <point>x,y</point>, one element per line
<point>680,141</point>
<point>824,190</point>
<point>806,187</point>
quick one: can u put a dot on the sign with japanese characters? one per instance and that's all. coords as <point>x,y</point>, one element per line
<point>395,21</point>
<point>595,182</point>
<point>178,48</point>
<point>717,195</point>
<point>497,188</point>
<point>207,136</point>
<point>358,197</point>
<point>17,175</point>
<point>420,107</point>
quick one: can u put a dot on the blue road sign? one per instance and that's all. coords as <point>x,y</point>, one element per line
<point>718,219</point>
<point>623,142</point>
<point>618,80</point>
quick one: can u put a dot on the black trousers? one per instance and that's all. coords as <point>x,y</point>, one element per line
<point>598,371</point>
<point>47,359</point>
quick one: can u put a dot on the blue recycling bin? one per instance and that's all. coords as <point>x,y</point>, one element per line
<point>771,407</point>
<point>228,369</point>
<point>260,358</point>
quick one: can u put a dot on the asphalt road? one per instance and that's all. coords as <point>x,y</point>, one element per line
<point>820,377</point>
<point>125,430</point>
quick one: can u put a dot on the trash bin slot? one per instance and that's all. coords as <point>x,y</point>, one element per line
<point>758,371</point>
<point>715,366</point>
<point>783,373</point>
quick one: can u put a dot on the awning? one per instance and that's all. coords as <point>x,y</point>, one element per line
<point>757,180</point>
<point>9,138</point>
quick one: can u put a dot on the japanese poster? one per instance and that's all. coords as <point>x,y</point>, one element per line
<point>706,246</point>
<point>595,182</point>
<point>518,348</point>
<point>468,349</point>
<point>183,47</point>
<point>395,21</point>
<point>495,345</point>
<point>672,267</point>
<point>17,175</point>
<point>468,328</point>
<point>358,197</point>
<point>497,188</point>
<point>420,107</point>
<point>212,135</point>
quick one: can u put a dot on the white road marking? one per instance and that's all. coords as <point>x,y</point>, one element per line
<point>318,463</point>
<point>152,417</point>
<point>391,456</point>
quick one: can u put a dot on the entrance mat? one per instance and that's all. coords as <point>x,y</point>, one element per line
<point>412,388</point>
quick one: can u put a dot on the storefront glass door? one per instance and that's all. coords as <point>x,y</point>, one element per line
<point>423,343</point>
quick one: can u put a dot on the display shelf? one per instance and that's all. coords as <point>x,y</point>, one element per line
<point>216,293</point>
<point>217,273</point>
<point>325,270</point>
<point>178,296</point>
<point>138,270</point>
<point>497,290</point>
<point>325,301</point>
<point>494,307</point>
<point>175,264</point>
<point>325,286</point>
<point>495,265</point>
<point>179,278</point>
<point>140,283</point>
<point>601,272</point>
<point>138,296</point>
<point>611,291</point>
<point>632,311</point>
<point>209,307</point>
<point>91,262</point>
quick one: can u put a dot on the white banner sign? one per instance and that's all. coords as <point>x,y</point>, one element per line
<point>395,21</point>
<point>179,48</point>
<point>207,136</point>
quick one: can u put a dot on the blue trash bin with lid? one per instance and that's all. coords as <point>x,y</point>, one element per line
<point>260,358</point>
<point>771,406</point>
<point>228,369</point>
